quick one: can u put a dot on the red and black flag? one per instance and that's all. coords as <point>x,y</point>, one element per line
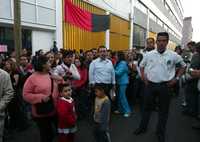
<point>84,19</point>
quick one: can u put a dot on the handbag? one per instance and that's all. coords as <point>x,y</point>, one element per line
<point>112,94</point>
<point>198,85</point>
<point>46,107</point>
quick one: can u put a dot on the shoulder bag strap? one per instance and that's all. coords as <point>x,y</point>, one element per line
<point>52,86</point>
<point>64,68</point>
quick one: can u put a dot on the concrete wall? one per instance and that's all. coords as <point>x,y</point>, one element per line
<point>5,10</point>
<point>154,27</point>
<point>158,8</point>
<point>170,18</point>
<point>34,13</point>
<point>120,8</point>
<point>42,40</point>
<point>59,22</point>
<point>40,17</point>
<point>178,8</point>
<point>140,18</point>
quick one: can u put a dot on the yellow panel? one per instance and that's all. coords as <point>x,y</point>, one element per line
<point>119,42</point>
<point>119,25</point>
<point>119,36</point>
<point>113,37</point>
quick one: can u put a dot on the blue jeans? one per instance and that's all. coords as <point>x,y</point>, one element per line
<point>122,100</point>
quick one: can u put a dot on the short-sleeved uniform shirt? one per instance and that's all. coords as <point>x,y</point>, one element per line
<point>161,67</point>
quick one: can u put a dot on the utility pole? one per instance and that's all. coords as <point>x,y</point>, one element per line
<point>107,43</point>
<point>131,16</point>
<point>17,28</point>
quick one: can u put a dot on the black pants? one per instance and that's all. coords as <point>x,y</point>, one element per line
<point>192,97</point>
<point>18,119</point>
<point>163,93</point>
<point>100,135</point>
<point>82,102</point>
<point>47,127</point>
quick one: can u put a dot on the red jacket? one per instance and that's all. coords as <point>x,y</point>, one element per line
<point>66,113</point>
<point>83,80</point>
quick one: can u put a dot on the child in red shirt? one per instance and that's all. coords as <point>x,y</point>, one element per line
<point>66,114</point>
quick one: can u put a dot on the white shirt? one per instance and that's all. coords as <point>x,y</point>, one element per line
<point>101,71</point>
<point>145,70</point>
<point>61,70</point>
<point>161,67</point>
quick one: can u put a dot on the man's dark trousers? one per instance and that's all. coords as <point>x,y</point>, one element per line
<point>162,91</point>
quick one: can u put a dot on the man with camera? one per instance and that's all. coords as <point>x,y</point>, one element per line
<point>67,70</point>
<point>101,70</point>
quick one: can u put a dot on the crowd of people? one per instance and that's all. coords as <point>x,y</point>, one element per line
<point>58,88</point>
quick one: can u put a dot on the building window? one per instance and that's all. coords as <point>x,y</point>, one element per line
<point>163,1</point>
<point>171,13</point>
<point>170,31</point>
<point>165,27</point>
<point>6,38</point>
<point>159,22</point>
<point>141,6</point>
<point>152,16</point>
<point>167,7</point>
<point>139,34</point>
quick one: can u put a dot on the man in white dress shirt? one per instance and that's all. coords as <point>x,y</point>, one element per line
<point>101,70</point>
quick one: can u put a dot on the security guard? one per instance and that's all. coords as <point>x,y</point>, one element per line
<point>160,76</point>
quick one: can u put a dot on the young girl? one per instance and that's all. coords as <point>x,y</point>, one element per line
<point>66,114</point>
<point>101,115</point>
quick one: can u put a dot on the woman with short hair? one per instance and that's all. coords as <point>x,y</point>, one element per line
<point>39,89</point>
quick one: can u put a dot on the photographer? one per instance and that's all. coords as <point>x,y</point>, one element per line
<point>67,69</point>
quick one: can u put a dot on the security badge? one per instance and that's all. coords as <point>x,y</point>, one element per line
<point>169,62</point>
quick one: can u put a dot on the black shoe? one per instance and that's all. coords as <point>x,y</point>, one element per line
<point>139,131</point>
<point>196,126</point>
<point>189,113</point>
<point>161,138</point>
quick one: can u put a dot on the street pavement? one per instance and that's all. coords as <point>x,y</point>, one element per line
<point>178,129</point>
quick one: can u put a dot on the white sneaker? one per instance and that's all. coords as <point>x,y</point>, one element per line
<point>116,112</point>
<point>126,114</point>
<point>184,104</point>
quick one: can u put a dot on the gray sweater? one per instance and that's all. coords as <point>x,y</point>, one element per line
<point>6,91</point>
<point>102,112</point>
